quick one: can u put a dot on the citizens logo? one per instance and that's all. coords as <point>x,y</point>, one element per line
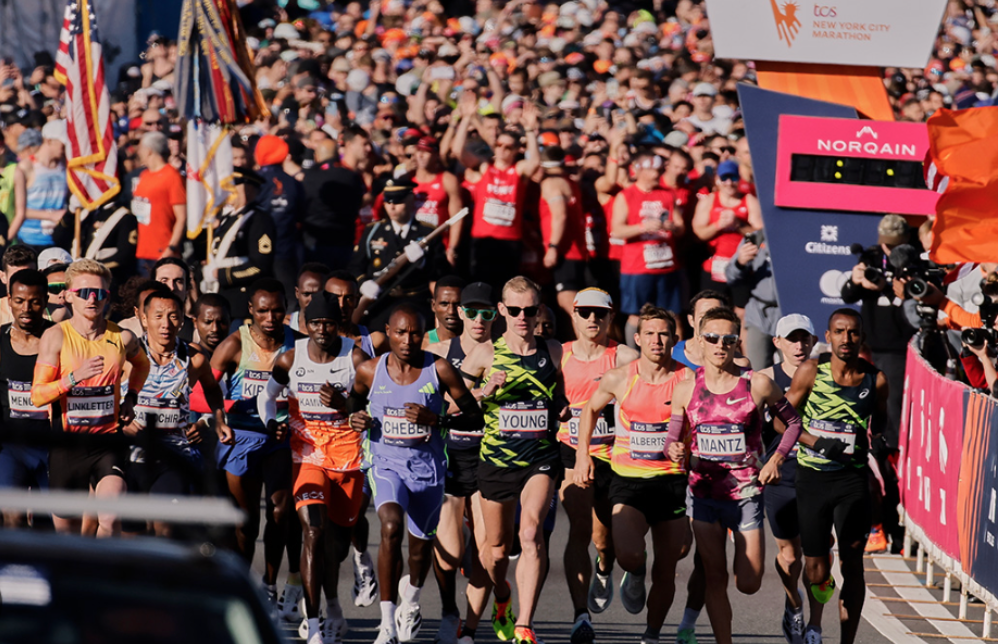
<point>787,22</point>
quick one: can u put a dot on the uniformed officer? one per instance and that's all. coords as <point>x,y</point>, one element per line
<point>383,241</point>
<point>242,246</point>
<point>108,234</point>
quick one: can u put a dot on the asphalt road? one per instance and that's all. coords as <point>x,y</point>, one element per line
<point>757,618</point>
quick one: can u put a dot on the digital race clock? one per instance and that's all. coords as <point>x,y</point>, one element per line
<point>852,165</point>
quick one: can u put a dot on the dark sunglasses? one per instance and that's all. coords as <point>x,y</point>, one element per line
<point>528,311</point>
<point>56,287</point>
<point>487,314</point>
<point>585,311</point>
<point>99,294</point>
<point>727,340</point>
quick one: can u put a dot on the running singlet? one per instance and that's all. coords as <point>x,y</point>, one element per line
<point>432,202</point>
<point>648,253</point>
<point>498,207</point>
<point>414,452</point>
<point>165,397</point>
<point>726,441</point>
<point>842,413</point>
<point>573,239</point>
<point>518,416</point>
<point>92,405</point>
<point>20,417</point>
<point>366,344</point>
<point>642,425</point>
<point>581,381</point>
<point>679,355</point>
<point>460,439</point>
<point>724,244</point>
<point>250,378</point>
<point>321,435</point>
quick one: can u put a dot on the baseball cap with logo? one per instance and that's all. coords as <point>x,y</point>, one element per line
<point>704,89</point>
<point>793,322</point>
<point>477,293</point>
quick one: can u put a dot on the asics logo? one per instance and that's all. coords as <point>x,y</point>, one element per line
<point>863,394</point>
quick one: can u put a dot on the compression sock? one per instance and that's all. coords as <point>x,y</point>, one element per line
<point>388,615</point>
<point>689,620</point>
<point>411,593</point>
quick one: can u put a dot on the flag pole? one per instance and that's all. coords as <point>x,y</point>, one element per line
<point>77,233</point>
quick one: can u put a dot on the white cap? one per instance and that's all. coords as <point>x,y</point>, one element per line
<point>286,31</point>
<point>55,130</point>
<point>53,255</point>
<point>593,297</point>
<point>790,323</point>
<point>704,89</point>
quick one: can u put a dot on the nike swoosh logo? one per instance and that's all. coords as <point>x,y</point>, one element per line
<point>736,400</point>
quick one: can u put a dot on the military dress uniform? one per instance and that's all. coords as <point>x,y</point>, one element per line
<point>242,252</point>
<point>108,234</point>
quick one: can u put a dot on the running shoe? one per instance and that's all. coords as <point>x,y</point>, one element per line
<point>408,619</point>
<point>272,602</point>
<point>825,591</point>
<point>466,639</point>
<point>812,635</point>
<point>450,626</point>
<point>525,635</point>
<point>386,636</point>
<point>303,628</point>
<point>288,605</point>
<point>334,629</point>
<point>503,619</point>
<point>582,631</point>
<point>600,590</point>
<point>686,636</point>
<point>877,541</point>
<point>648,639</point>
<point>316,638</point>
<point>365,583</point>
<point>793,621</point>
<point>632,592</point>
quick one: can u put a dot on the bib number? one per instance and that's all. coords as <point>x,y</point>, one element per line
<point>602,432</point>
<point>142,210</point>
<point>310,405</point>
<point>166,412</point>
<point>526,420</point>
<point>19,399</point>
<point>717,267</point>
<point>499,213</point>
<point>647,441</point>
<point>840,431</point>
<point>396,430</point>
<point>658,256</point>
<point>254,383</point>
<point>90,406</point>
<point>724,443</point>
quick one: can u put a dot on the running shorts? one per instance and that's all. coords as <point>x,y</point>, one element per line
<point>341,492</point>
<point>839,498</point>
<point>659,498</point>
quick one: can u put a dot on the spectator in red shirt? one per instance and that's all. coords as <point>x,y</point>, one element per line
<point>159,203</point>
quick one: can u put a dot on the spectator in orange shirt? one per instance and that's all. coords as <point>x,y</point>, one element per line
<point>159,203</point>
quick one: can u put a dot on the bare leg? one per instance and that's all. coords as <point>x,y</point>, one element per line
<point>448,550</point>
<point>109,487</point>
<point>578,503</point>
<point>710,539</point>
<point>535,501</point>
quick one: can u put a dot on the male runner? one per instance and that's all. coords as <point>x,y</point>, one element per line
<point>720,412</point>
<point>843,398</point>
<point>405,425</point>
<point>523,399</point>
<point>445,303</point>
<point>164,404</point>
<point>211,321</point>
<point>344,287</point>
<point>794,340</point>
<point>258,458</point>
<point>583,364</point>
<point>326,453</point>
<point>461,496</point>
<point>648,491</point>
<point>23,460</point>
<point>79,369</point>
<point>311,280</point>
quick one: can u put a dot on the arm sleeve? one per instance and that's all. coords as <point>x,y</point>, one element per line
<point>958,317</point>
<point>47,386</point>
<point>266,402</point>
<point>786,412</point>
<point>676,424</point>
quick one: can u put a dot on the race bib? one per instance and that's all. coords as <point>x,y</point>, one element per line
<point>19,400</point>
<point>142,210</point>
<point>658,256</point>
<point>464,439</point>
<point>717,267</point>
<point>499,213</point>
<point>396,430</point>
<point>602,432</point>
<point>254,383</point>
<point>427,214</point>
<point>310,405</point>
<point>647,441</point>
<point>839,430</point>
<point>527,420</point>
<point>722,442</point>
<point>90,406</point>
<point>165,413</point>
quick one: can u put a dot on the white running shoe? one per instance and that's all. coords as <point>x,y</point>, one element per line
<point>365,582</point>
<point>315,638</point>
<point>466,639</point>
<point>386,636</point>
<point>648,639</point>
<point>600,590</point>
<point>450,626</point>
<point>632,593</point>
<point>408,619</point>
<point>303,628</point>
<point>289,605</point>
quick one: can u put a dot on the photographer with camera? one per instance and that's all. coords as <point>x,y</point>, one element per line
<point>889,322</point>
<point>979,341</point>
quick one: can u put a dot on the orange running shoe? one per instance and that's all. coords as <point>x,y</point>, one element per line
<point>877,542</point>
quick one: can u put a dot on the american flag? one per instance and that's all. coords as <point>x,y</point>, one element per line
<point>91,153</point>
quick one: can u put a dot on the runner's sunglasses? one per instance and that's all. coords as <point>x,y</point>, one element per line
<point>56,287</point>
<point>528,311</point>
<point>728,340</point>
<point>99,294</point>
<point>585,311</point>
<point>487,314</point>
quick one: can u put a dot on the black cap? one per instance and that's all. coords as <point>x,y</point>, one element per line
<point>477,293</point>
<point>398,190</point>
<point>324,306</point>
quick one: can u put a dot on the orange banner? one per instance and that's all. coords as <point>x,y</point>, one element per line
<point>859,87</point>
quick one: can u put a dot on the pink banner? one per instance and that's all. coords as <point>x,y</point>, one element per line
<point>931,445</point>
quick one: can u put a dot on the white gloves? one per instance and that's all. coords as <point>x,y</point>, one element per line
<point>414,252</point>
<point>370,290</point>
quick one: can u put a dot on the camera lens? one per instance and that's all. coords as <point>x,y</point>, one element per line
<point>972,337</point>
<point>916,287</point>
<point>873,274</point>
